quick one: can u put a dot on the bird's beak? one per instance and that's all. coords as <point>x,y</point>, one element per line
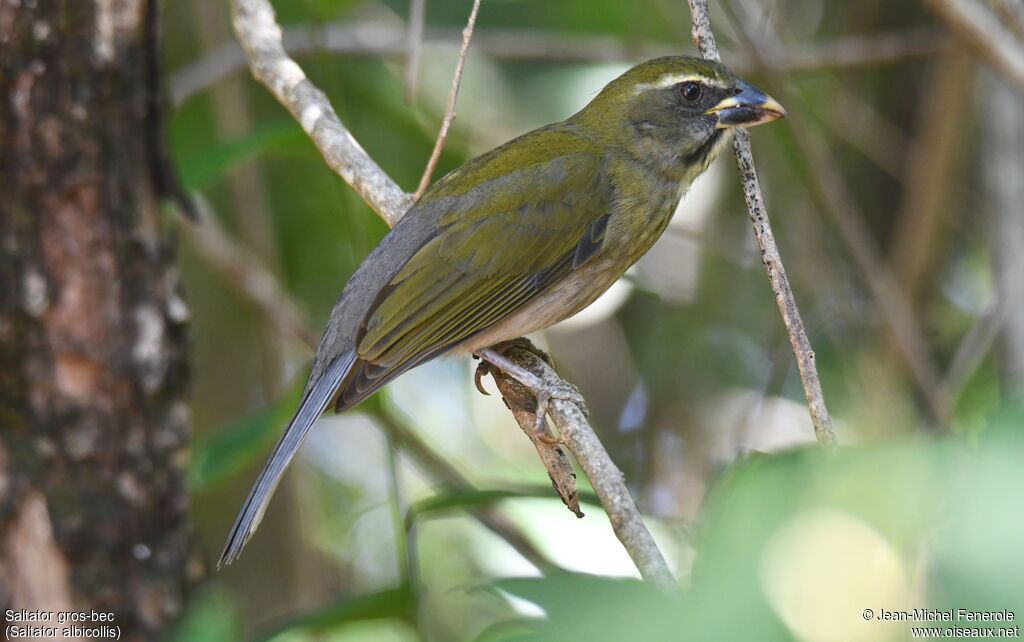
<point>748,107</point>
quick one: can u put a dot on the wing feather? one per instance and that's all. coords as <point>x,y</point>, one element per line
<point>486,261</point>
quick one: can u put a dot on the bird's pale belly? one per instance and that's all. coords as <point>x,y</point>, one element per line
<point>564,299</point>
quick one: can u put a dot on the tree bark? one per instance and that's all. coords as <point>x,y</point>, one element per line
<point>93,419</point>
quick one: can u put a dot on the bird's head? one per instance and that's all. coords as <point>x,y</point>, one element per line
<point>675,112</point>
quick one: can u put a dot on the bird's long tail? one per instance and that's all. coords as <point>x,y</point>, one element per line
<point>313,404</point>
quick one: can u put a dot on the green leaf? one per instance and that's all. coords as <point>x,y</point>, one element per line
<point>200,171</point>
<point>397,603</point>
<point>593,608</point>
<point>476,498</point>
<point>236,446</point>
<point>211,615</point>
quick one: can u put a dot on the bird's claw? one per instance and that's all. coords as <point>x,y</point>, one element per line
<point>544,395</point>
<point>541,390</point>
<point>482,370</point>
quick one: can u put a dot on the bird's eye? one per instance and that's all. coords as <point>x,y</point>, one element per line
<point>690,91</point>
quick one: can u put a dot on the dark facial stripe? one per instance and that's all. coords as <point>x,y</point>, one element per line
<point>699,155</point>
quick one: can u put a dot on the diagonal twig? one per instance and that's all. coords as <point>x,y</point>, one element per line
<point>260,36</point>
<point>449,112</point>
<point>829,190</point>
<point>577,435</point>
<point>705,40</point>
<point>524,409</point>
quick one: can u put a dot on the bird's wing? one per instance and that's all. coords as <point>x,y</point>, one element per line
<point>485,258</point>
<point>486,261</point>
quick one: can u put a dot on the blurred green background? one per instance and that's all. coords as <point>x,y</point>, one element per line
<point>889,191</point>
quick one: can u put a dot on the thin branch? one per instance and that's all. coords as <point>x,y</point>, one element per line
<point>563,478</point>
<point>453,95</point>
<point>260,35</point>
<point>829,190</point>
<point>705,40</point>
<point>417,17</point>
<point>378,39</point>
<point>577,434</point>
<point>985,34</point>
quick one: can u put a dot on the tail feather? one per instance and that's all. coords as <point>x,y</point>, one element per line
<point>318,397</point>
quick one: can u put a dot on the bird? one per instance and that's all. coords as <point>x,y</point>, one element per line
<point>518,239</point>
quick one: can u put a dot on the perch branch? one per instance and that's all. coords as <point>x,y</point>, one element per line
<point>260,36</point>
<point>576,433</point>
<point>705,40</point>
<point>523,407</point>
<point>449,112</point>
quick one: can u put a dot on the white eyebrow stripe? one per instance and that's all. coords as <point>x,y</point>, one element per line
<point>668,80</point>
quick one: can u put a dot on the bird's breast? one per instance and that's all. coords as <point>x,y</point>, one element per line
<point>639,220</point>
<point>558,302</point>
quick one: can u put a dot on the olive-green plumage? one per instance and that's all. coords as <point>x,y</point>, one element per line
<point>519,238</point>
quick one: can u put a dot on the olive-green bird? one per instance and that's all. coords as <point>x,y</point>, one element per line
<point>519,238</point>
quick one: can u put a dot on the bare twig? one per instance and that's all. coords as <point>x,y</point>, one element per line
<point>985,34</point>
<point>449,112</point>
<point>830,192</point>
<point>417,16</point>
<point>260,35</point>
<point>379,39</point>
<point>608,482</point>
<point>705,40</point>
<point>523,406</point>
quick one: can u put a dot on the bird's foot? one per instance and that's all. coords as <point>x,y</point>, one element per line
<point>543,391</point>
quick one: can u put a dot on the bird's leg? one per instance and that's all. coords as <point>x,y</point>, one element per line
<point>543,391</point>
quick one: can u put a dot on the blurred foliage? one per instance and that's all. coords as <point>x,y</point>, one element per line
<point>868,522</point>
<point>689,376</point>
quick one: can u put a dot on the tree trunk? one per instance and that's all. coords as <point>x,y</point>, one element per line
<point>93,419</point>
